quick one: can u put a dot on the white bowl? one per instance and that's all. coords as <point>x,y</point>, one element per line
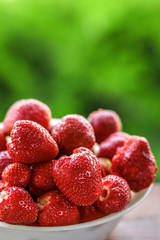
<point>94,230</point>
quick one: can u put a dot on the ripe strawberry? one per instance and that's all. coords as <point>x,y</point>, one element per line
<point>42,178</point>
<point>135,163</point>
<point>104,123</point>
<point>2,140</point>
<point>56,210</point>
<point>109,146</point>
<point>16,174</point>
<point>29,109</point>
<point>31,143</point>
<point>5,160</point>
<point>115,194</point>
<point>36,224</point>
<point>1,186</point>
<point>90,213</point>
<point>17,206</point>
<point>73,131</point>
<point>79,177</point>
<point>105,166</point>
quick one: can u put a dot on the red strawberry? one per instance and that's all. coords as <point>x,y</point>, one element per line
<point>104,123</point>
<point>1,186</point>
<point>31,143</point>
<point>135,163</point>
<point>105,166</point>
<point>56,210</point>
<point>36,224</point>
<point>109,146</point>
<point>17,206</point>
<point>16,174</point>
<point>42,178</point>
<point>90,213</point>
<point>73,131</point>
<point>115,194</point>
<point>2,140</point>
<point>29,109</point>
<point>79,177</point>
<point>5,160</point>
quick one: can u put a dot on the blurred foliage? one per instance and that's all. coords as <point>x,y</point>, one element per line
<point>77,56</point>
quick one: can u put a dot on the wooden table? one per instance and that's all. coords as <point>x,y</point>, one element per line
<point>142,223</point>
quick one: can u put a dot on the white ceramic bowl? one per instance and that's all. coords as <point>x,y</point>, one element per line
<point>94,230</point>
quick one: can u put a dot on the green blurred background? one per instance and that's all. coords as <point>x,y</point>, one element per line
<point>77,56</point>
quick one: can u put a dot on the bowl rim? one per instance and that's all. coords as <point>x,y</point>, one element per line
<point>136,199</point>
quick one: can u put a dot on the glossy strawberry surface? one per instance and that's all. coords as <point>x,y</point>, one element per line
<point>27,109</point>
<point>105,166</point>
<point>16,174</point>
<point>17,206</point>
<point>115,194</point>
<point>73,131</point>
<point>56,210</point>
<point>90,213</point>
<point>1,185</point>
<point>5,160</point>
<point>79,177</point>
<point>42,178</point>
<point>108,147</point>
<point>31,143</point>
<point>104,123</point>
<point>135,163</point>
<point>2,140</point>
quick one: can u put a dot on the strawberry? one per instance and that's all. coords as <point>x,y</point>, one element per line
<point>2,140</point>
<point>36,224</point>
<point>5,160</point>
<point>16,174</point>
<point>56,210</point>
<point>42,178</point>
<point>109,146</point>
<point>73,131</point>
<point>90,213</point>
<point>105,166</point>
<point>104,123</point>
<point>1,186</point>
<point>79,177</point>
<point>115,194</point>
<point>29,109</point>
<point>135,163</point>
<point>31,143</point>
<point>17,206</point>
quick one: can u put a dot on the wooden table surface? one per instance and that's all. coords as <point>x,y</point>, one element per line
<point>142,223</point>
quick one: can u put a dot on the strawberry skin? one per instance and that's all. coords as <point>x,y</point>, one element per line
<point>73,131</point>
<point>1,186</point>
<point>104,123</point>
<point>5,160</point>
<point>42,179</point>
<point>90,213</point>
<point>16,174</point>
<point>109,146</point>
<point>105,166</point>
<point>17,206</point>
<point>135,163</point>
<point>56,210</point>
<point>2,140</point>
<point>29,109</point>
<point>79,177</point>
<point>115,194</point>
<point>31,143</point>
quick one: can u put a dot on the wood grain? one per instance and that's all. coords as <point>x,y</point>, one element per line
<point>142,223</point>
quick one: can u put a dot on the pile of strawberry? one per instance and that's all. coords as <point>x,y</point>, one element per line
<point>52,175</point>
